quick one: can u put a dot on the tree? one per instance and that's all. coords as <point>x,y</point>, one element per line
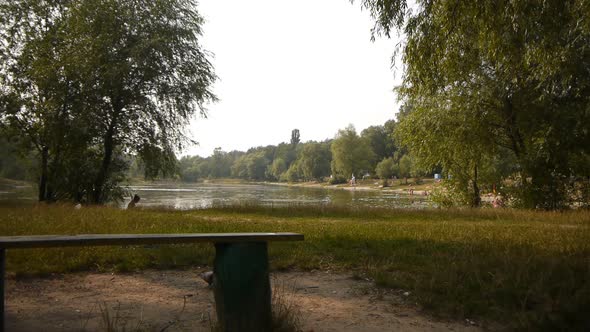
<point>13,165</point>
<point>38,97</point>
<point>350,153</point>
<point>148,69</point>
<point>490,81</point>
<point>295,137</point>
<point>294,172</point>
<point>117,76</point>
<point>314,160</point>
<point>287,152</point>
<point>277,168</point>
<point>454,144</point>
<point>251,166</point>
<point>391,146</point>
<point>189,168</point>
<point>379,142</point>
<point>221,162</point>
<point>405,167</point>
<point>385,168</point>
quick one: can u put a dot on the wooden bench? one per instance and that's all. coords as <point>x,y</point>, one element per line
<point>242,285</point>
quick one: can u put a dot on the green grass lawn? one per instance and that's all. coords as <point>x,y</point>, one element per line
<point>527,270</point>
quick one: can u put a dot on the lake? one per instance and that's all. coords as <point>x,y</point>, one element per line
<point>184,196</point>
<point>205,195</point>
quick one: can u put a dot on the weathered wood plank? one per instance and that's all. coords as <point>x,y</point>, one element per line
<point>44,241</point>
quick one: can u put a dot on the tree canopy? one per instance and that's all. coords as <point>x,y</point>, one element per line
<point>350,154</point>
<point>491,78</point>
<point>90,81</point>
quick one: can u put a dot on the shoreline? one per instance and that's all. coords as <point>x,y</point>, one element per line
<point>418,192</point>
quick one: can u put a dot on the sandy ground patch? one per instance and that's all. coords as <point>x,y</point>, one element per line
<point>181,301</point>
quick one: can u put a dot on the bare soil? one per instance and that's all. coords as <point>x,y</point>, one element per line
<point>181,301</point>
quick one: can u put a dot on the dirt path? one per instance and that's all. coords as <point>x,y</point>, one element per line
<point>180,301</point>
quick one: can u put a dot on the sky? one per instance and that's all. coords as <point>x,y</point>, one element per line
<point>284,65</point>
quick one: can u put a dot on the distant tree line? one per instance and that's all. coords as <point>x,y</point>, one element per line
<point>372,153</point>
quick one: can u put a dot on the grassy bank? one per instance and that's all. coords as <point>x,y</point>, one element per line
<point>528,270</point>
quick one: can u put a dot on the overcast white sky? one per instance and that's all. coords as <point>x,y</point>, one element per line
<point>282,65</point>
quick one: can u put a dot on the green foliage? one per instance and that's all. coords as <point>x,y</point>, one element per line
<point>350,154</point>
<point>380,141</point>
<point>337,180</point>
<point>221,163</point>
<point>449,195</point>
<point>295,137</point>
<point>314,160</point>
<point>385,168</point>
<point>405,167</point>
<point>482,83</point>
<point>293,174</point>
<point>100,78</point>
<point>308,161</point>
<point>13,165</point>
<point>251,166</point>
<point>157,162</point>
<point>277,168</point>
<point>190,168</point>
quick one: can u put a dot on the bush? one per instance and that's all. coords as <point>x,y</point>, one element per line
<point>337,180</point>
<point>447,196</point>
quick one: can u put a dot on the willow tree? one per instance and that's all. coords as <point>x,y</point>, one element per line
<point>39,88</point>
<point>314,160</point>
<point>350,154</point>
<point>146,73</point>
<point>492,76</point>
<point>137,69</point>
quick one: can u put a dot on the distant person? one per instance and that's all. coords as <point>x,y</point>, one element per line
<point>133,202</point>
<point>411,190</point>
<point>497,202</point>
<point>352,180</point>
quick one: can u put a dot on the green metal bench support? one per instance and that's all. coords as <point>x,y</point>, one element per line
<point>242,285</point>
<point>2,274</point>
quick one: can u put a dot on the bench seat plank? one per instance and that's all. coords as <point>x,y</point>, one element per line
<point>44,241</point>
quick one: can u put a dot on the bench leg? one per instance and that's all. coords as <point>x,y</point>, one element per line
<point>242,287</point>
<point>2,276</point>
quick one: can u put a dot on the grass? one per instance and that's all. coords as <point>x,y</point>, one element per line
<point>527,270</point>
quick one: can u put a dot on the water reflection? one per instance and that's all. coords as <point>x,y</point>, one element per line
<point>200,196</point>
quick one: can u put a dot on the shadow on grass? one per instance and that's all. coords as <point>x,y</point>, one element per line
<point>519,285</point>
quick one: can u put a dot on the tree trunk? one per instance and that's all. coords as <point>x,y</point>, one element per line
<point>476,197</point>
<point>98,193</point>
<point>512,129</point>
<point>43,178</point>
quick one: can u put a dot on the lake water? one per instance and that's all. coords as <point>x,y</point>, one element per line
<point>205,195</point>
